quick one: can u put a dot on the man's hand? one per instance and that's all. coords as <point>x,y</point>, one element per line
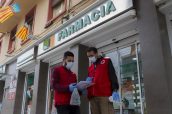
<point>116,96</point>
<point>89,79</point>
<point>72,87</point>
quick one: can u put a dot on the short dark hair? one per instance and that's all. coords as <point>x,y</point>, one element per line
<point>67,54</point>
<point>92,49</point>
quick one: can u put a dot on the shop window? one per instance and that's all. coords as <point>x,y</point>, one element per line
<point>127,64</point>
<point>29,20</point>
<point>29,93</point>
<point>11,45</point>
<point>56,9</point>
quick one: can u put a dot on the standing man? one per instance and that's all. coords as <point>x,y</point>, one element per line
<point>102,74</point>
<point>64,82</point>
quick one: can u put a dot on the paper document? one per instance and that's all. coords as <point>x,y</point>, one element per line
<point>84,84</point>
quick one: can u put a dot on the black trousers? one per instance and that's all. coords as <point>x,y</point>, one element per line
<point>68,109</point>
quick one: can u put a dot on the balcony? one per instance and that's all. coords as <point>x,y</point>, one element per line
<point>25,5</point>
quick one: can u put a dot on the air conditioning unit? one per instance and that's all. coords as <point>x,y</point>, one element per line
<point>159,2</point>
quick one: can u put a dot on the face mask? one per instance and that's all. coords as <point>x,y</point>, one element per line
<point>92,59</point>
<point>69,65</point>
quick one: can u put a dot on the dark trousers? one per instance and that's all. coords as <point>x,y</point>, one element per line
<point>68,109</point>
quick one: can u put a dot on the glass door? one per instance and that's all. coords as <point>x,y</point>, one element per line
<point>28,93</point>
<point>127,65</point>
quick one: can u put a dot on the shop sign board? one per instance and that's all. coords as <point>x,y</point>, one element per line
<point>107,10</point>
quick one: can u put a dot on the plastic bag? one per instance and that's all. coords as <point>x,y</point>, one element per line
<point>116,104</point>
<point>75,98</point>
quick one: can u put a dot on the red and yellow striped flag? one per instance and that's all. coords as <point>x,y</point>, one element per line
<point>6,13</point>
<point>22,33</point>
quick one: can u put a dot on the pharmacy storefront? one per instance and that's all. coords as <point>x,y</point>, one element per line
<point>111,27</point>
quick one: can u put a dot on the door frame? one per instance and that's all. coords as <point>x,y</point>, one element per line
<point>24,93</point>
<point>110,50</point>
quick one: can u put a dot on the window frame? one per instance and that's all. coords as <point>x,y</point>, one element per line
<point>75,4</point>
<point>2,3</point>
<point>5,3</point>
<point>32,13</point>
<point>50,18</point>
<point>11,43</point>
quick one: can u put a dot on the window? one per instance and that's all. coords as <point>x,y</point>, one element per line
<point>11,45</point>
<point>29,20</point>
<point>56,9</point>
<point>74,2</point>
<point>2,2</point>
<point>5,2</point>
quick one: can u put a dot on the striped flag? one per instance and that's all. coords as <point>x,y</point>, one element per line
<point>23,33</point>
<point>8,11</point>
<point>16,8</point>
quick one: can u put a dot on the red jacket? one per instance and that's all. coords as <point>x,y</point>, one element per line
<point>61,80</point>
<point>100,72</point>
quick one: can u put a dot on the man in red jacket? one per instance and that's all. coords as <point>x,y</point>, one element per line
<point>102,74</point>
<point>64,82</point>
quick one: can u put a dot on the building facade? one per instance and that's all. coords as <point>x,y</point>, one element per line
<point>135,34</point>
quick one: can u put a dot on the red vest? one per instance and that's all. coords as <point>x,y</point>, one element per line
<point>66,78</point>
<point>100,74</point>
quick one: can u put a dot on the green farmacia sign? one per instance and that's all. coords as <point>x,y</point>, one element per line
<point>87,20</point>
<point>107,10</point>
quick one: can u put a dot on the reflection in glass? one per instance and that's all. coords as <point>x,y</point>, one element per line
<point>114,59</point>
<point>129,79</point>
<point>125,64</point>
<point>29,93</point>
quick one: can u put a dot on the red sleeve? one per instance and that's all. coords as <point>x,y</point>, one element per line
<point>56,80</point>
